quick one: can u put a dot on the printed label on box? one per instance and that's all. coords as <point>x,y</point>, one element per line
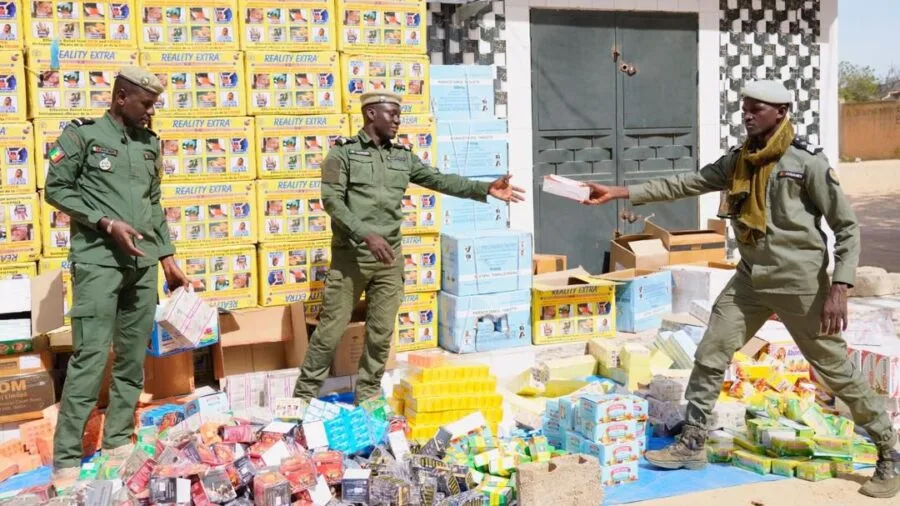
<point>626,472</point>
<point>20,228</point>
<point>293,272</point>
<point>572,313</point>
<point>417,132</point>
<point>296,146</point>
<point>384,26</point>
<point>462,92</point>
<point>207,149</point>
<point>12,36</point>
<point>46,131</point>
<point>46,265</point>
<point>473,148</point>
<point>162,343</point>
<point>214,215</point>
<point>180,25</point>
<point>416,322</point>
<point>81,87</point>
<point>421,263</point>
<point>293,83</point>
<point>17,143</point>
<point>421,208</point>
<point>55,227</point>
<point>25,270</point>
<point>291,209</point>
<point>198,84</point>
<point>223,277</point>
<point>460,216</point>
<point>406,76</point>
<point>304,25</point>
<point>13,95</point>
<point>100,23</point>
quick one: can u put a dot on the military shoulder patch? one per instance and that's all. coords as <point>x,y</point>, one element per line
<point>56,154</point>
<point>805,146</point>
<point>80,122</point>
<point>342,141</point>
<point>331,170</point>
<point>833,176</point>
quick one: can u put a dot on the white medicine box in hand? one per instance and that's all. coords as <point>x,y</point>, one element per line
<point>186,317</point>
<point>565,187</point>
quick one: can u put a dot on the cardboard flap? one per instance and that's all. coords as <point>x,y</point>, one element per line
<point>647,247</point>
<point>678,240</point>
<point>560,278</point>
<point>257,325</point>
<point>47,302</point>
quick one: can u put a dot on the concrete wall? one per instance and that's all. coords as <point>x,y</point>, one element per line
<point>870,131</point>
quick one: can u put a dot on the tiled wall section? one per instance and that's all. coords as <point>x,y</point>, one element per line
<point>471,35</point>
<point>770,39</point>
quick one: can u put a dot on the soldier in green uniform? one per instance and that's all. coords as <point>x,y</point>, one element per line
<point>364,179</point>
<point>776,189</point>
<point>105,174</point>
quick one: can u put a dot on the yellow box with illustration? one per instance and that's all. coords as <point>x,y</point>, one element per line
<point>12,34</point>
<point>82,85</point>
<point>210,215</point>
<point>20,228</point>
<point>207,149</point>
<point>46,131</point>
<point>298,25</point>
<point>17,164</point>
<point>223,277</point>
<point>291,209</point>
<point>293,83</point>
<point>383,26</point>
<point>405,75</point>
<point>293,271</point>
<point>572,306</point>
<point>417,132</point>
<point>422,263</point>
<point>46,265</point>
<point>56,239</point>
<point>188,25</point>
<point>417,324</point>
<point>99,23</point>
<point>13,95</point>
<point>24,270</point>
<point>421,209</point>
<point>295,146</point>
<point>198,83</point>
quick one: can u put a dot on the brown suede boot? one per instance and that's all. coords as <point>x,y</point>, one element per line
<point>688,451</point>
<point>885,483</point>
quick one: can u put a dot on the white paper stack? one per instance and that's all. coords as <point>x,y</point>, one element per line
<point>245,391</point>
<point>186,317</point>
<point>679,347</point>
<point>565,187</point>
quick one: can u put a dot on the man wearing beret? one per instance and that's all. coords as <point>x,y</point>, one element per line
<point>364,179</point>
<point>105,174</point>
<point>776,190</point>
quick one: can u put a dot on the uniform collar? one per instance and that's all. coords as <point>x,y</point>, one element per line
<point>365,139</point>
<point>115,125</point>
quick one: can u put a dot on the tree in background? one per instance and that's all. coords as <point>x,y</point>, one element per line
<point>857,83</point>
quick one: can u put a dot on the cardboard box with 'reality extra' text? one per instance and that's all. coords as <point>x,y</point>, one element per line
<point>572,306</point>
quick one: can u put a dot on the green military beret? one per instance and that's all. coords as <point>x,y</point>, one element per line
<point>380,97</point>
<point>770,92</point>
<point>142,78</point>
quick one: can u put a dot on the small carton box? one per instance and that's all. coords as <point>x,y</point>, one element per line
<point>303,25</point>
<point>187,318</point>
<point>163,343</point>
<point>486,262</point>
<point>543,264</point>
<point>614,453</point>
<point>291,209</point>
<point>23,397</point>
<point>421,263</point>
<point>80,87</point>
<point>463,216</point>
<point>20,228</point>
<point>618,474</point>
<point>293,272</point>
<point>637,251</point>
<point>17,145</point>
<point>462,92</point>
<point>417,132</point>
<point>98,24</point>
<point>484,322</point>
<point>55,231</point>
<point>700,281</point>
<point>392,26</point>
<point>421,209</point>
<point>198,24</point>
<point>406,75</point>
<point>29,308</point>
<point>207,149</point>
<point>572,306</point>
<point>296,146</point>
<point>293,83</point>
<point>210,215</point>
<point>417,327</point>
<point>689,246</point>
<point>223,277</point>
<point>881,366</point>
<point>198,83</point>
<point>46,131</point>
<point>609,432</point>
<point>642,298</point>
<point>25,363</point>
<point>473,148</point>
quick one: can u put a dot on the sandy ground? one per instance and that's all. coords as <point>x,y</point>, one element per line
<point>874,190</point>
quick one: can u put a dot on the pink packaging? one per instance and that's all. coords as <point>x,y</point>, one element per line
<point>186,317</point>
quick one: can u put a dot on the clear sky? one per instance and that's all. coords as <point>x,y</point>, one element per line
<point>869,33</point>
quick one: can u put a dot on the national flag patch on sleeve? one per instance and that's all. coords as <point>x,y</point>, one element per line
<point>55,154</point>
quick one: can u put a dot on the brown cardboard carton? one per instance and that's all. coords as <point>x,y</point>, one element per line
<point>548,263</point>
<point>353,344</point>
<point>689,246</point>
<point>25,363</point>
<point>637,251</point>
<point>23,397</point>
<point>255,325</point>
<point>570,480</point>
<point>169,376</point>
<point>266,339</point>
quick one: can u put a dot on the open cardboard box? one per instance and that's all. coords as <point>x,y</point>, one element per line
<point>637,251</point>
<point>260,339</point>
<point>688,246</point>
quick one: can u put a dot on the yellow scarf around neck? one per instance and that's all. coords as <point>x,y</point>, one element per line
<point>751,176</point>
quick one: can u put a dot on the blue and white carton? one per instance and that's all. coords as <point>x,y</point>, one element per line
<point>462,92</point>
<point>466,215</point>
<point>643,297</point>
<point>484,322</point>
<point>472,148</point>
<point>485,262</point>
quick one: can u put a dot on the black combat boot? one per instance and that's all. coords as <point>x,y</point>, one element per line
<point>885,483</point>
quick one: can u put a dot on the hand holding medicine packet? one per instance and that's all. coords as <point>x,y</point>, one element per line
<point>565,187</point>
